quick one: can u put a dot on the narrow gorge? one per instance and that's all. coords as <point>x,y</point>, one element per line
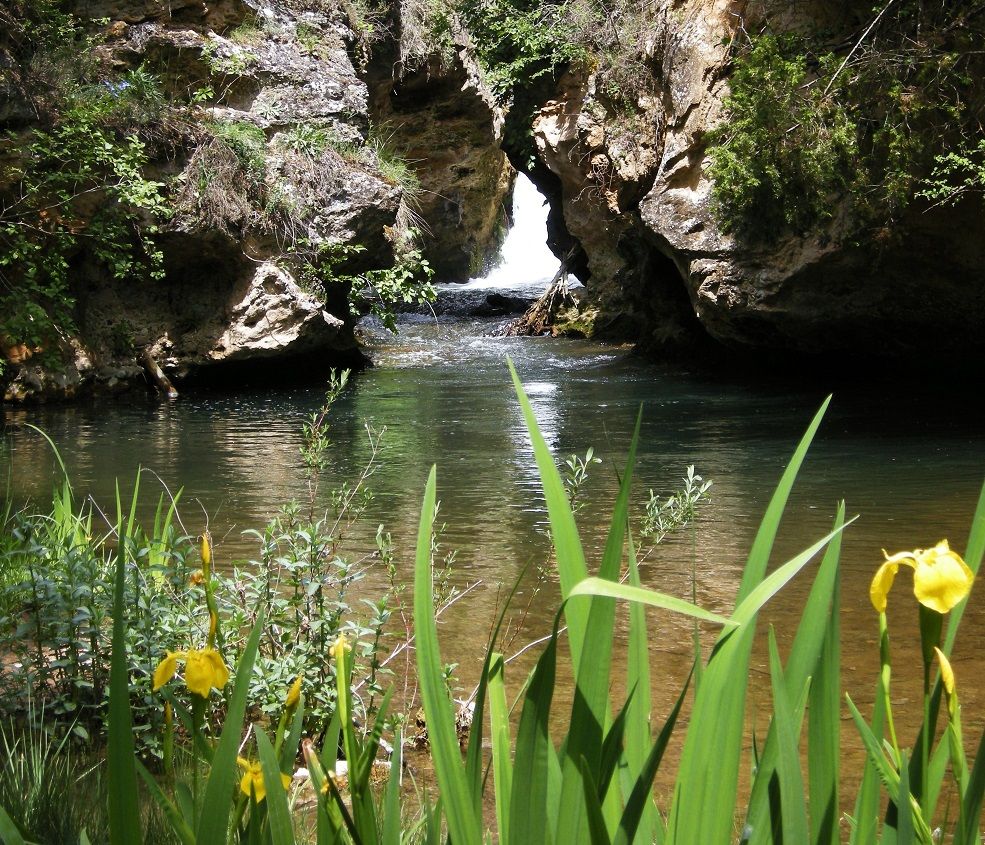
<point>277,168</point>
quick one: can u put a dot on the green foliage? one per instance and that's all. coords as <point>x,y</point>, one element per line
<point>518,41</point>
<point>54,618</point>
<point>374,291</point>
<point>679,509</point>
<point>957,174</point>
<point>76,184</point>
<point>786,151</point>
<point>809,130</point>
<point>247,141</point>
<point>407,282</point>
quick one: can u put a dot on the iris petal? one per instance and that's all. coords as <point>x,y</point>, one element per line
<point>166,668</point>
<point>882,582</point>
<point>941,579</point>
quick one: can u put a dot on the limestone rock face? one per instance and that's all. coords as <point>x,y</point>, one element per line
<point>636,194</point>
<point>446,122</point>
<point>273,70</point>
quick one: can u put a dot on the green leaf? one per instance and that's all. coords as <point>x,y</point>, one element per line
<point>213,826</point>
<point>499,734</point>
<point>705,794</point>
<point>638,736</point>
<point>802,663</point>
<point>530,798</point>
<point>171,812</point>
<point>613,589</point>
<point>593,809</point>
<point>590,707</point>
<point>564,533</point>
<point>463,825</point>
<point>9,833</point>
<point>124,813</point>
<point>640,796</point>
<point>392,823</point>
<point>278,813</point>
<point>791,781</point>
<point>969,816</point>
<point>824,709</point>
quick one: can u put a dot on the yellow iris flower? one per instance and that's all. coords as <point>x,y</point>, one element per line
<point>252,780</point>
<point>941,578</point>
<point>205,670</point>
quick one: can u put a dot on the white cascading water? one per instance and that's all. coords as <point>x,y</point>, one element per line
<point>525,261</point>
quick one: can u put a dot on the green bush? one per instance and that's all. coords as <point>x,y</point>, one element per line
<point>860,129</point>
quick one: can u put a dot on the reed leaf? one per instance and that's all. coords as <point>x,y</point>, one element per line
<point>535,765</point>
<point>463,823</point>
<point>499,734</point>
<point>9,834</point>
<point>124,814</point>
<point>786,723</point>
<point>392,822</point>
<point>213,826</point>
<point>278,812</point>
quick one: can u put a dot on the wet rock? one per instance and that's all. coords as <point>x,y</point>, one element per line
<point>275,318</point>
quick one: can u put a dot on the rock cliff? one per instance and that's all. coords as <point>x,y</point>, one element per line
<point>276,171</point>
<point>636,195</point>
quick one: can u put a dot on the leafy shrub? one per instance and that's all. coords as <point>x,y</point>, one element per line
<point>786,150</point>
<point>55,621</point>
<point>861,129</point>
<point>76,183</point>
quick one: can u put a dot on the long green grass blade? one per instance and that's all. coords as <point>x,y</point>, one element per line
<point>474,753</point>
<point>904,810</point>
<point>638,736</point>
<point>973,557</point>
<point>792,805</point>
<point>597,831</point>
<point>640,796</point>
<point>124,813</point>
<point>867,803</point>
<point>530,800</point>
<point>613,589</point>
<point>171,812</point>
<point>970,813</point>
<point>890,778</point>
<point>463,824</point>
<point>590,707</point>
<point>824,715</point>
<point>567,544</point>
<point>778,579</point>
<point>9,834</point>
<point>704,801</point>
<point>392,823</point>
<point>278,813</point>
<point>213,826</point>
<point>802,663</point>
<point>499,734</point>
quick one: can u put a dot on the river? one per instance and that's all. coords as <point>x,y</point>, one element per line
<point>908,457</point>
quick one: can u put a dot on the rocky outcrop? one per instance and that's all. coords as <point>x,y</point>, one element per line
<point>264,74</point>
<point>636,195</point>
<point>448,126</point>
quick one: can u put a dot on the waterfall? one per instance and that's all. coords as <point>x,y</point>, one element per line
<point>525,261</point>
